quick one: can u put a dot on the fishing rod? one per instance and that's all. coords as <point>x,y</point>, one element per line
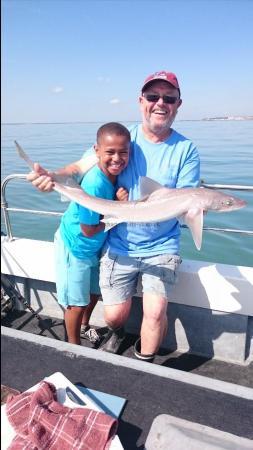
<point>11,294</point>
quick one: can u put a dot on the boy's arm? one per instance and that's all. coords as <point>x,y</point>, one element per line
<point>90,230</point>
<point>43,179</point>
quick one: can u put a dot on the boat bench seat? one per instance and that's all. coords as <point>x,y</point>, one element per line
<point>219,287</point>
<point>210,309</point>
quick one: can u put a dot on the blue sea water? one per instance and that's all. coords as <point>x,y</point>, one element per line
<point>226,152</point>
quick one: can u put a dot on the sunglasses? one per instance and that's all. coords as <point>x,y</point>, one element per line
<point>155,97</point>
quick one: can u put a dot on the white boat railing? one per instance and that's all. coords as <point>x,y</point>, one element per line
<point>6,209</point>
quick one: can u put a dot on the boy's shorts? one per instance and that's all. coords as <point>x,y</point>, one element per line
<point>76,278</point>
<point>119,276</point>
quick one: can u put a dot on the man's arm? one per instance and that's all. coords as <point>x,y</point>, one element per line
<point>189,173</point>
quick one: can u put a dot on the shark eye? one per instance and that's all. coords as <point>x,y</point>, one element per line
<point>229,202</point>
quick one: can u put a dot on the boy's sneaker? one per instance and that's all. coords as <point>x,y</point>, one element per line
<point>90,334</point>
<point>113,340</point>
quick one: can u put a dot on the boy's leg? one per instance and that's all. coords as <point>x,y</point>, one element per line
<point>73,318</point>
<point>94,292</point>
<point>73,287</point>
<point>86,331</point>
<point>89,308</point>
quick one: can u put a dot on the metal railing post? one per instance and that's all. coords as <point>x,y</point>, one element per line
<point>6,209</point>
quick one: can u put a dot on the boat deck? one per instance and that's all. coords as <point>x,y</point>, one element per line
<point>150,389</point>
<point>54,328</point>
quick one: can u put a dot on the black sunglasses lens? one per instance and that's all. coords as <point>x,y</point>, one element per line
<point>170,100</point>
<point>152,97</point>
<point>156,97</point>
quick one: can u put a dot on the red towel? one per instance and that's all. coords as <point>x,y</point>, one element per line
<point>42,423</point>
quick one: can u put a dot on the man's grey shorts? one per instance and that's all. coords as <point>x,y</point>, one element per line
<point>119,276</point>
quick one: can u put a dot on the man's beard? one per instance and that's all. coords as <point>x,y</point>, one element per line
<point>160,128</point>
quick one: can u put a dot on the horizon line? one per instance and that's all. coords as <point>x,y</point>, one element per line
<point>206,119</point>
<point>221,118</point>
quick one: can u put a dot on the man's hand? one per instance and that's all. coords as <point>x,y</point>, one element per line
<point>41,178</point>
<point>122,195</point>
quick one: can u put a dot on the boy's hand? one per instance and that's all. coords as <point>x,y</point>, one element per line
<point>41,178</point>
<point>122,195</point>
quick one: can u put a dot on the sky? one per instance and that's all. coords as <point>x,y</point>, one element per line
<point>82,60</point>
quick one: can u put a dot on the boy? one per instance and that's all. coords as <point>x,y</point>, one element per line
<point>81,235</point>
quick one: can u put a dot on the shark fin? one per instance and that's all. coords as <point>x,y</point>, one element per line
<point>71,183</point>
<point>194,220</point>
<point>110,222</point>
<point>88,162</point>
<point>64,198</point>
<point>147,186</point>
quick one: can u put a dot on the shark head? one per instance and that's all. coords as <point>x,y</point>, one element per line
<point>224,203</point>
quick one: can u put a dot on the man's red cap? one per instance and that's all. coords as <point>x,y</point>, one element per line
<point>165,76</point>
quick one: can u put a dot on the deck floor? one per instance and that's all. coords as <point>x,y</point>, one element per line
<point>54,328</point>
<point>26,361</point>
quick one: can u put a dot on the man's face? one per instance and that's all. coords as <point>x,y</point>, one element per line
<point>113,153</point>
<point>158,115</point>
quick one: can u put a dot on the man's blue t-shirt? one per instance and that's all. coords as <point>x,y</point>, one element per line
<point>174,164</point>
<point>96,183</point>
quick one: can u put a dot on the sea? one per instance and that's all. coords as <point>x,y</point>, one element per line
<point>226,153</point>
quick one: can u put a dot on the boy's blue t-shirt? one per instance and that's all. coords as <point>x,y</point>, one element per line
<point>174,164</point>
<point>96,183</point>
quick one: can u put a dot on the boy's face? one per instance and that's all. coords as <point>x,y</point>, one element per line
<point>113,154</point>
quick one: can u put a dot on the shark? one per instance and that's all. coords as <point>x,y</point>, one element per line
<point>156,204</point>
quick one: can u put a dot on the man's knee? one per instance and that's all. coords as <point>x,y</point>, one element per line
<point>155,315</point>
<point>116,315</point>
<point>154,308</point>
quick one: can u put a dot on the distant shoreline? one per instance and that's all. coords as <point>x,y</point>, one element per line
<point>229,118</point>
<point>205,119</point>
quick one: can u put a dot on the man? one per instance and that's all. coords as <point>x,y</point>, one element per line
<point>147,250</point>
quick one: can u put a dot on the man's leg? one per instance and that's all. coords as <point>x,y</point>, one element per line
<point>154,324</point>
<point>159,274</point>
<point>115,317</point>
<point>118,281</point>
